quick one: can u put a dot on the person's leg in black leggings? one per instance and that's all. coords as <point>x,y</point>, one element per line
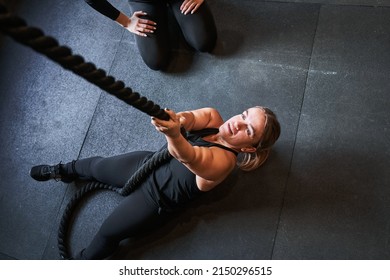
<point>135,214</point>
<point>199,28</point>
<point>113,171</point>
<point>155,49</point>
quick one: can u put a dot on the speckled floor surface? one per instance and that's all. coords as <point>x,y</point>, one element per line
<point>322,66</point>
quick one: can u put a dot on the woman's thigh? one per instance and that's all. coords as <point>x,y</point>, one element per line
<point>115,170</point>
<point>198,28</point>
<point>134,215</point>
<point>155,48</point>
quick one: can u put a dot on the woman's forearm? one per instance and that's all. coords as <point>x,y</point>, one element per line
<point>180,149</point>
<point>187,120</point>
<point>200,118</point>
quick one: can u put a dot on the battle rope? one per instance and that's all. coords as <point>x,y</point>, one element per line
<point>17,28</point>
<point>33,37</point>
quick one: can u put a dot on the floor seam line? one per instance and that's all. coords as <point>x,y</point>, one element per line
<point>295,138</point>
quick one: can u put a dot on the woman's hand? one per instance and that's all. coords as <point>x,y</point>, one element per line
<point>190,6</point>
<point>170,128</point>
<point>137,25</point>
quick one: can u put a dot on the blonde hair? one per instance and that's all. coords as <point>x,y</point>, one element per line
<point>271,133</point>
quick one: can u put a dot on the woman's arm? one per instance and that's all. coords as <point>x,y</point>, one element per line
<point>211,165</point>
<point>104,7</point>
<point>134,24</point>
<point>199,119</point>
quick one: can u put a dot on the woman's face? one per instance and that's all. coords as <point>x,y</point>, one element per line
<point>244,131</point>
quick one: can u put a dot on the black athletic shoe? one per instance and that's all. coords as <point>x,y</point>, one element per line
<point>47,172</point>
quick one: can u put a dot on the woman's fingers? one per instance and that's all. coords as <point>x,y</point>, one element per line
<point>141,26</point>
<point>139,13</point>
<point>190,6</point>
<point>144,27</point>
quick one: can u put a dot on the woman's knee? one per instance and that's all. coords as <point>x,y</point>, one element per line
<point>199,29</point>
<point>205,44</point>
<point>156,63</point>
<point>155,49</point>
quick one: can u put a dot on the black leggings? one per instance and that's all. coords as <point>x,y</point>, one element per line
<point>134,215</point>
<point>199,30</point>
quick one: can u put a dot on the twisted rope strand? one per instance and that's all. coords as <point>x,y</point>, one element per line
<point>35,38</point>
<point>63,230</point>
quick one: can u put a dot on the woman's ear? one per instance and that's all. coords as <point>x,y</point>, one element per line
<point>248,150</point>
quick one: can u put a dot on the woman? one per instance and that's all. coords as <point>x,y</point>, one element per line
<point>199,162</point>
<point>150,23</point>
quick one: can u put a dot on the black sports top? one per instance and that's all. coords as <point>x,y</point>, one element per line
<point>196,139</point>
<point>172,184</point>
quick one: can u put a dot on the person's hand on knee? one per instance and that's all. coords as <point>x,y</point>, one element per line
<point>137,25</point>
<point>190,6</point>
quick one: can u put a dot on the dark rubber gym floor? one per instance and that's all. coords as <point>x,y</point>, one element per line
<point>322,66</point>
